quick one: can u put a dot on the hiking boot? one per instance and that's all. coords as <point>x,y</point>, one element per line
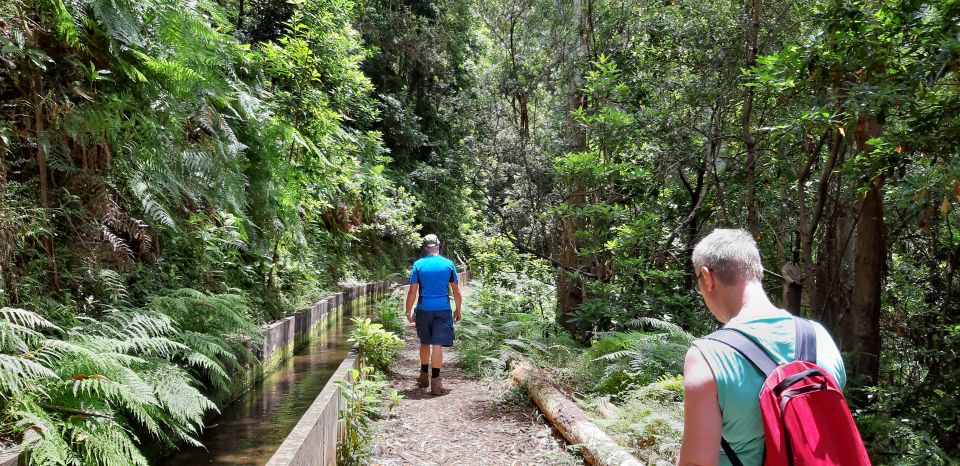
<point>436,386</point>
<point>422,380</point>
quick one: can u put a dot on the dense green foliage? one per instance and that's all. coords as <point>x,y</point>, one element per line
<point>620,132</point>
<point>165,188</point>
<point>389,313</point>
<point>423,65</point>
<point>628,380</point>
<point>77,393</point>
<point>366,392</point>
<point>201,168</point>
<point>378,347</point>
<point>366,397</point>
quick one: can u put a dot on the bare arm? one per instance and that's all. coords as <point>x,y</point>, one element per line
<point>702,422</point>
<point>457,299</point>
<point>412,293</point>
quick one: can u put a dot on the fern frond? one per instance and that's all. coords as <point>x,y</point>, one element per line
<point>658,324</point>
<point>615,355</point>
<point>64,23</point>
<point>214,370</point>
<point>107,442</point>
<point>137,325</point>
<point>17,373</point>
<point>151,207</point>
<point>118,244</point>
<point>27,319</point>
<point>208,345</point>
<point>176,393</point>
<point>149,346</point>
<point>114,284</point>
<point>16,338</point>
<point>41,435</point>
<point>120,18</point>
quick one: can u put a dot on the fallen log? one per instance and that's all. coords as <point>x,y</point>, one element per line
<point>596,446</point>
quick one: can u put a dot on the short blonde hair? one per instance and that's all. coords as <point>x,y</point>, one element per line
<point>731,254</point>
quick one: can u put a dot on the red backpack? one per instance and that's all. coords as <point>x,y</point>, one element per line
<point>806,420</point>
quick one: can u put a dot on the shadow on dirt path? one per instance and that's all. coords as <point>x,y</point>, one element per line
<point>472,425</point>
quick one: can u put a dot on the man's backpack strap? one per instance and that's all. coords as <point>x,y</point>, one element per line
<point>747,347</point>
<point>731,455</point>
<point>756,355</point>
<point>806,342</point>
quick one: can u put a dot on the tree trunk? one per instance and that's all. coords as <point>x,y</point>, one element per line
<point>692,227</point>
<point>53,273</point>
<point>792,287</point>
<point>826,296</point>
<point>752,31</point>
<point>869,264</point>
<point>816,280</point>
<point>596,446</point>
<point>569,284</point>
<point>6,239</point>
<point>240,17</point>
<point>569,287</point>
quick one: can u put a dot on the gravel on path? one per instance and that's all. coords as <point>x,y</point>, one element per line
<point>475,424</point>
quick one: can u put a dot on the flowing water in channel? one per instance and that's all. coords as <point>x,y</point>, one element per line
<point>251,429</point>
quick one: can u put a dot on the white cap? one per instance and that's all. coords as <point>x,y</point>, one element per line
<point>431,241</point>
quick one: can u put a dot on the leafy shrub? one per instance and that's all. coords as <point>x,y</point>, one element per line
<point>512,311</point>
<point>378,347</point>
<point>649,421</point>
<point>365,400</point>
<point>626,359</point>
<point>486,340</point>
<point>389,313</point>
<point>513,315</point>
<point>899,442</point>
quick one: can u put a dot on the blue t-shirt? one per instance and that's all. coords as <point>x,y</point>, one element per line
<point>434,274</point>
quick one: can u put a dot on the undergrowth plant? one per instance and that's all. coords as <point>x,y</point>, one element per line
<point>389,313</point>
<point>366,399</point>
<point>622,360</point>
<point>378,347</point>
<point>92,392</point>
<point>648,419</point>
<point>633,370</point>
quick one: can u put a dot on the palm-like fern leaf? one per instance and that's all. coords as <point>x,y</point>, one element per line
<point>26,318</point>
<point>18,373</point>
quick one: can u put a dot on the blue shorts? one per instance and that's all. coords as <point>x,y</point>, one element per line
<point>435,327</point>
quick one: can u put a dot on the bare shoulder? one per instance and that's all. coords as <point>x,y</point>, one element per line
<point>696,372</point>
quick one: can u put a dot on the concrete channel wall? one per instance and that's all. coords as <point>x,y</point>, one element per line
<point>313,441</point>
<point>283,337</point>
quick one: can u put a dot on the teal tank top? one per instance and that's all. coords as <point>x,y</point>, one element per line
<point>739,382</point>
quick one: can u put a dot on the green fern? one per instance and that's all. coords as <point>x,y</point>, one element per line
<point>114,285</point>
<point>18,374</point>
<point>79,398</point>
<point>638,358</point>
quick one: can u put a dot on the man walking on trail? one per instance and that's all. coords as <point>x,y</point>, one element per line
<point>723,420</point>
<point>432,279</point>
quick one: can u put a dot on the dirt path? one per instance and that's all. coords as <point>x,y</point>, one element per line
<point>472,425</point>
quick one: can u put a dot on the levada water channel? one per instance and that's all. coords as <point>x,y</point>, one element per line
<point>251,429</point>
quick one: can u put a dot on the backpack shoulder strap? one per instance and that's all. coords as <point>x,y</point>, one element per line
<point>806,343</point>
<point>731,455</point>
<point>746,347</point>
